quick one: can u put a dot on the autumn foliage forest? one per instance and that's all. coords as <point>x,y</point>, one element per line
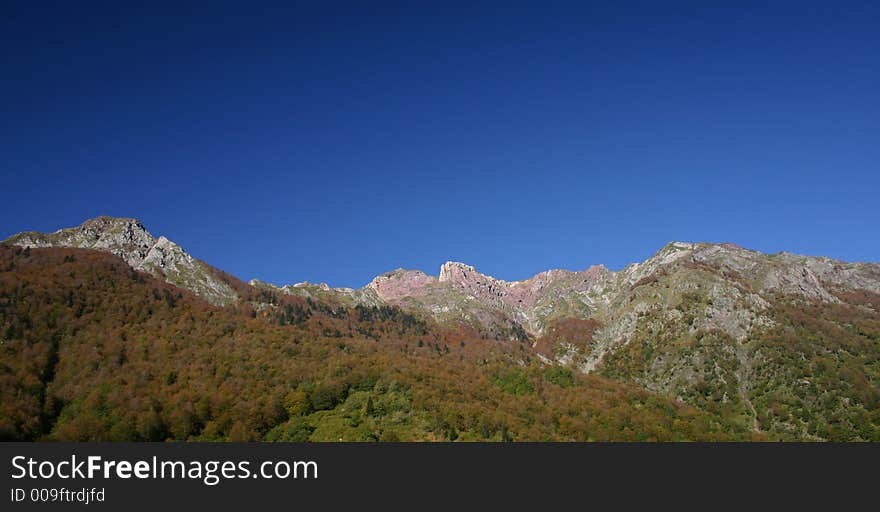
<point>93,350</point>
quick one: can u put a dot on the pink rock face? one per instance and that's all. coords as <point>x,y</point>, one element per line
<point>399,284</point>
<point>517,294</point>
<point>527,292</point>
<point>458,273</point>
<point>468,279</point>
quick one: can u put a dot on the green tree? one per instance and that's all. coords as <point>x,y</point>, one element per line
<point>297,403</point>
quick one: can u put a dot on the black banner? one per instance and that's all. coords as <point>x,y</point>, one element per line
<point>240,476</point>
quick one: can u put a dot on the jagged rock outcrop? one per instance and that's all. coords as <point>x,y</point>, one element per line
<point>128,239</point>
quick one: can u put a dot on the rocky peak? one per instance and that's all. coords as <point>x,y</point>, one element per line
<point>130,240</point>
<point>106,223</point>
<point>124,237</point>
<point>457,272</point>
<point>472,282</point>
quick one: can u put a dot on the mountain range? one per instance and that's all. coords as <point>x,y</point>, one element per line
<point>781,345</point>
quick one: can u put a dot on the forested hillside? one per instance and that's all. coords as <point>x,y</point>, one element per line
<point>94,350</point>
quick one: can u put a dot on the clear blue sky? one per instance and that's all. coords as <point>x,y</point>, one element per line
<point>331,145</point>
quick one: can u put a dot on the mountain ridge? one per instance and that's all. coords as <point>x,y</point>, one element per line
<point>774,343</point>
<point>505,309</point>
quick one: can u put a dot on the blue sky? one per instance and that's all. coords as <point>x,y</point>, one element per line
<point>294,143</point>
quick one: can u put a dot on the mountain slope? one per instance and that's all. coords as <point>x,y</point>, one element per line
<point>779,345</point>
<point>782,344</point>
<point>787,344</point>
<point>92,350</point>
<point>128,239</point>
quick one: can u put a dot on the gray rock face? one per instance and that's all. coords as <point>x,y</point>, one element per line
<point>128,239</point>
<point>688,288</point>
